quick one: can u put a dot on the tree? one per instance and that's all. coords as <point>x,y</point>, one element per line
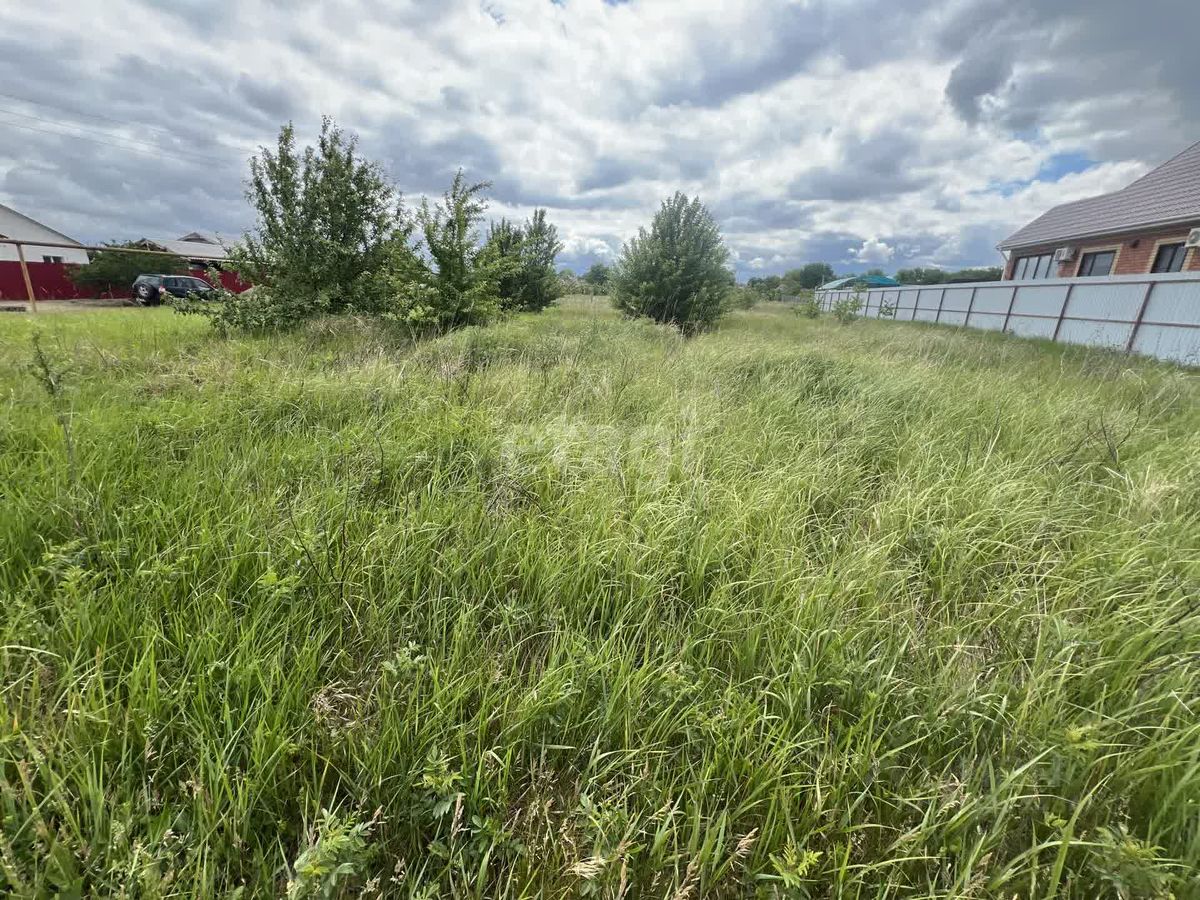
<point>326,223</point>
<point>598,276</point>
<point>540,247</point>
<point>449,281</point>
<point>675,272</point>
<point>769,287</point>
<point>920,275</point>
<point>114,270</point>
<point>807,277</point>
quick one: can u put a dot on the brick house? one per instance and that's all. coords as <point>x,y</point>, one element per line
<point>1142,228</point>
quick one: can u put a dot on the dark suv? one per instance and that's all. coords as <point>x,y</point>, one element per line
<point>148,290</point>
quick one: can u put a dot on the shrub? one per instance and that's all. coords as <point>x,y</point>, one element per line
<point>326,220</point>
<point>808,305</point>
<point>524,259</point>
<point>675,272</point>
<point>597,277</point>
<point>115,269</point>
<point>846,310</point>
<point>449,281</point>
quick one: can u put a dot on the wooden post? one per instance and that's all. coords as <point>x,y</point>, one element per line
<point>1062,313</point>
<point>1141,314</point>
<point>28,282</point>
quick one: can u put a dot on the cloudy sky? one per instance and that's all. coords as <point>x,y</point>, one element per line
<point>858,132</point>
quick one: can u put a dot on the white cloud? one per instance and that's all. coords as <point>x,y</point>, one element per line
<point>872,252</point>
<point>918,131</point>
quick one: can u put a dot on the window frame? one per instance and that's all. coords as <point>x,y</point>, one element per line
<point>1026,268</point>
<point>1091,254</point>
<point>1179,250</point>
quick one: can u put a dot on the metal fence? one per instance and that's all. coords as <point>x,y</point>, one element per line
<point>1152,315</point>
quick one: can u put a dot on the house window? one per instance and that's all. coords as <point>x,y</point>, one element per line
<point>52,259</point>
<point>1031,267</point>
<point>1169,258</point>
<point>1097,264</point>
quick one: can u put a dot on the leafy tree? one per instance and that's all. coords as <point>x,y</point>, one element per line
<point>524,259</point>
<point>986,273</point>
<point>675,272</point>
<point>769,287</point>
<point>115,269</point>
<point>598,276</point>
<point>920,275</point>
<point>327,220</point>
<point>807,277</point>
<point>569,282</point>
<point>448,281</point>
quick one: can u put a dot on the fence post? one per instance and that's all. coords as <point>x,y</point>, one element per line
<point>970,308</point>
<point>1141,314</point>
<point>28,282</point>
<point>1012,301</point>
<point>1062,313</point>
<point>941,302</point>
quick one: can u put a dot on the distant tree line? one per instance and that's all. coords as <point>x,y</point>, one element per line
<point>812,275</point>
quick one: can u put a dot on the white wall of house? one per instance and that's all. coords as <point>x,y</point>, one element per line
<point>22,228</point>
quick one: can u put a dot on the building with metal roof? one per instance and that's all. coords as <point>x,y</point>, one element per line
<point>1153,225</point>
<point>859,281</point>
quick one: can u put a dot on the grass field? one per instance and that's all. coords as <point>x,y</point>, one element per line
<point>573,607</point>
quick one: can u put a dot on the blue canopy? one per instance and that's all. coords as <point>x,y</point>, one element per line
<point>868,281</point>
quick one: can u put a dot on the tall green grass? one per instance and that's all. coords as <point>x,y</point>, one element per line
<point>574,607</point>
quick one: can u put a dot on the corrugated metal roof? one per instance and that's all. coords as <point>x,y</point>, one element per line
<point>189,249</point>
<point>1169,194</point>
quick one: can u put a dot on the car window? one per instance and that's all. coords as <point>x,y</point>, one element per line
<point>199,284</point>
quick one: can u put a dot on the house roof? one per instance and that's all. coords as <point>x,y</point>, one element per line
<point>188,249</point>
<point>20,215</point>
<point>1168,195</point>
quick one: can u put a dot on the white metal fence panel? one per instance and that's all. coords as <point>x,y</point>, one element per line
<point>1154,315</point>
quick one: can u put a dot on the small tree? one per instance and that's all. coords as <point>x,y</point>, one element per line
<point>807,277</point>
<point>115,269</point>
<point>448,281</point>
<point>675,272</point>
<point>523,258</point>
<point>326,222</point>
<point>597,277</point>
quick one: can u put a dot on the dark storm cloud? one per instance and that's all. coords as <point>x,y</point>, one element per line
<point>1034,62</point>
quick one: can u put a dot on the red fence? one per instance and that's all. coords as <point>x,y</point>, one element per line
<point>50,282</point>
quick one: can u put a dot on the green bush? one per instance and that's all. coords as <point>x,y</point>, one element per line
<point>847,309</point>
<point>808,305</point>
<point>675,273</point>
<point>448,281</point>
<point>116,268</point>
<point>326,220</point>
<point>524,258</point>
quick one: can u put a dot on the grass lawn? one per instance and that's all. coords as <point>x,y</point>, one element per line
<point>571,607</point>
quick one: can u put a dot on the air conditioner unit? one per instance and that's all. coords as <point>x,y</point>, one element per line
<point>1193,239</point>
<point>1064,254</point>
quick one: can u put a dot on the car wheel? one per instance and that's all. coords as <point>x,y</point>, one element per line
<point>142,295</point>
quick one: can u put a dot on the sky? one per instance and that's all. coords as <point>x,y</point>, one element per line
<point>862,133</point>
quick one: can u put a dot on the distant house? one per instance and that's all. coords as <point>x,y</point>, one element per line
<point>1153,225</point>
<point>200,250</point>
<point>19,227</point>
